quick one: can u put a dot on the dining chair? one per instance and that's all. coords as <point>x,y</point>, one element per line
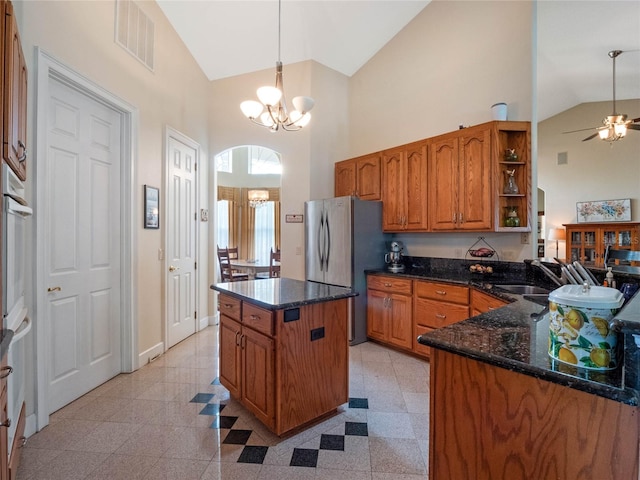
<point>622,260</point>
<point>274,270</point>
<point>226,272</point>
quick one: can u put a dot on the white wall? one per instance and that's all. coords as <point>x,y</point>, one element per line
<point>596,170</point>
<point>81,35</point>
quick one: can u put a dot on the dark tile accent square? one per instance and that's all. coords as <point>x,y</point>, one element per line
<point>253,454</point>
<point>356,428</point>
<point>304,457</point>
<point>216,381</point>
<point>202,398</point>
<point>212,409</point>
<point>358,403</point>
<point>223,422</point>
<point>332,442</point>
<point>238,437</point>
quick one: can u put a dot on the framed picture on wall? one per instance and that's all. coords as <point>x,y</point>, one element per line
<point>604,211</point>
<point>151,207</point>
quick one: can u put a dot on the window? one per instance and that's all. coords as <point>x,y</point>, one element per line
<point>224,161</point>
<point>263,161</point>
<point>264,231</point>
<point>223,223</point>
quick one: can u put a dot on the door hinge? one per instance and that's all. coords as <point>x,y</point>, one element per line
<point>195,216</point>
<point>195,315</point>
<point>195,265</point>
<point>195,167</point>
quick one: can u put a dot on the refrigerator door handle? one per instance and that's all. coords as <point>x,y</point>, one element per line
<point>320,242</point>
<point>328,244</point>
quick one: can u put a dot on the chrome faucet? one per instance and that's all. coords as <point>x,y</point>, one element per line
<point>549,274</point>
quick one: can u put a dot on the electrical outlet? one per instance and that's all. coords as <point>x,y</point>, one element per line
<point>160,254</point>
<point>298,250</point>
<point>524,238</point>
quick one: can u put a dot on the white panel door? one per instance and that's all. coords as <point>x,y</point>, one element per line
<point>82,244</point>
<point>181,241</point>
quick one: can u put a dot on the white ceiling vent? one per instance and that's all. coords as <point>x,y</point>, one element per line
<point>134,31</point>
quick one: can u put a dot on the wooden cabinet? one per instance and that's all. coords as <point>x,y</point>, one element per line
<point>247,358</point>
<point>389,310</point>
<point>460,180</point>
<point>587,242</point>
<point>359,177</point>
<point>482,303</point>
<point>512,153</point>
<point>437,305</point>
<point>404,188</point>
<point>491,422</point>
<point>288,367</point>
<point>14,128</point>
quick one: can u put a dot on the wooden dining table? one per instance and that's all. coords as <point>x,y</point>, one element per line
<point>251,267</point>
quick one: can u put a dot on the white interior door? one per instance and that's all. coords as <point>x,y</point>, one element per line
<point>181,239</point>
<point>81,243</point>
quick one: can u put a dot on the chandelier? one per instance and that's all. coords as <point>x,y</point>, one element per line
<point>257,198</point>
<point>271,111</point>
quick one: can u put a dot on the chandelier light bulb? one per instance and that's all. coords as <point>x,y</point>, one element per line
<point>620,129</point>
<point>303,104</point>
<point>604,133</point>
<point>251,108</point>
<point>270,96</point>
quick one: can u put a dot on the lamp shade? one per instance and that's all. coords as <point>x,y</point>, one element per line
<point>557,234</point>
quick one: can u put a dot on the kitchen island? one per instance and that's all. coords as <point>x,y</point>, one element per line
<point>501,408</point>
<point>284,349</point>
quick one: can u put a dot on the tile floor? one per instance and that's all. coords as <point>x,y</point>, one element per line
<point>172,419</point>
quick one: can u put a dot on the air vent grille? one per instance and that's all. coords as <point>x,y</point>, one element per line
<point>135,31</point>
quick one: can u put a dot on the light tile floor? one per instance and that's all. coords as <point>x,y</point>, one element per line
<point>162,423</point>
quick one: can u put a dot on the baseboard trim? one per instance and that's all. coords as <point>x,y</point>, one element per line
<point>204,323</point>
<point>30,425</point>
<point>151,354</point>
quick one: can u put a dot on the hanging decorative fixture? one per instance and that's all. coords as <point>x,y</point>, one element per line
<point>257,198</point>
<point>272,99</point>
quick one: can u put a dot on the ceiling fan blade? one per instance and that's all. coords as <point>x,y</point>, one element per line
<point>635,120</point>
<point>590,137</point>
<point>633,127</point>
<point>581,130</point>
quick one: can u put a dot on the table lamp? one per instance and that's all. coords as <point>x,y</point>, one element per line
<point>557,234</point>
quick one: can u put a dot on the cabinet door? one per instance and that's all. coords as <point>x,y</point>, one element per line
<point>377,314</point>
<point>394,174</point>
<point>345,178</point>
<point>258,375</point>
<point>416,190</point>
<point>443,184</point>
<point>15,98</point>
<point>400,321</point>
<point>583,245</point>
<point>368,177</point>
<point>475,209</point>
<point>230,371</point>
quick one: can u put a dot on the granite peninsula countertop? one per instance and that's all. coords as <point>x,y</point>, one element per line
<point>280,293</point>
<point>509,337</point>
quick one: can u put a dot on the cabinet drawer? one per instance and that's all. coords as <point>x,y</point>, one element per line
<point>390,284</point>
<point>229,306</point>
<point>443,292</point>
<point>484,303</point>
<point>436,314</point>
<point>257,318</point>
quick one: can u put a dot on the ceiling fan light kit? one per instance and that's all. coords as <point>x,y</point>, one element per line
<point>615,126</point>
<point>271,111</point>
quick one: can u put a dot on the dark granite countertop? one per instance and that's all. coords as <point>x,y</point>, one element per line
<point>280,293</point>
<point>6,336</point>
<point>510,338</point>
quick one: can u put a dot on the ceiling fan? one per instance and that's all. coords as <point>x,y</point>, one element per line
<point>614,126</point>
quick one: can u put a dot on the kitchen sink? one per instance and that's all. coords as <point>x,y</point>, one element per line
<point>524,289</point>
<point>539,298</point>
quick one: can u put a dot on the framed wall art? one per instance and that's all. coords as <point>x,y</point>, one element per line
<point>151,207</point>
<point>604,211</point>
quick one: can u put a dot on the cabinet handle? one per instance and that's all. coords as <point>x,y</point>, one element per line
<point>237,341</point>
<point>461,217</point>
<point>454,218</point>
<point>8,370</point>
<point>440,315</point>
<point>243,341</point>
<point>254,317</point>
<point>441,292</point>
<point>228,305</point>
<point>388,284</point>
<point>22,157</point>
<point>6,423</point>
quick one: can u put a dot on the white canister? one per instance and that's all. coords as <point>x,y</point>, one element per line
<point>499,111</point>
<point>579,326</point>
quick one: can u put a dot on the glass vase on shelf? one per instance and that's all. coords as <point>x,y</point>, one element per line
<point>510,187</point>
<point>512,219</point>
<point>510,155</point>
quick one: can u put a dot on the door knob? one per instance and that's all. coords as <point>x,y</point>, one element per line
<point>54,289</point>
<point>173,269</point>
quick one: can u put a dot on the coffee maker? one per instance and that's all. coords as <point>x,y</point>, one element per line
<point>393,258</point>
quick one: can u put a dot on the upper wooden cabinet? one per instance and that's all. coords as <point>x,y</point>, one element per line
<point>460,182</point>
<point>404,188</point>
<point>359,177</point>
<point>14,129</point>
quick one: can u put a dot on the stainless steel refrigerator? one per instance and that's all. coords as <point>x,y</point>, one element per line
<point>344,238</point>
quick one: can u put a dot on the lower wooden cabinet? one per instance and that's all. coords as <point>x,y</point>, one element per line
<point>488,422</point>
<point>482,303</point>
<point>287,366</point>
<point>389,310</point>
